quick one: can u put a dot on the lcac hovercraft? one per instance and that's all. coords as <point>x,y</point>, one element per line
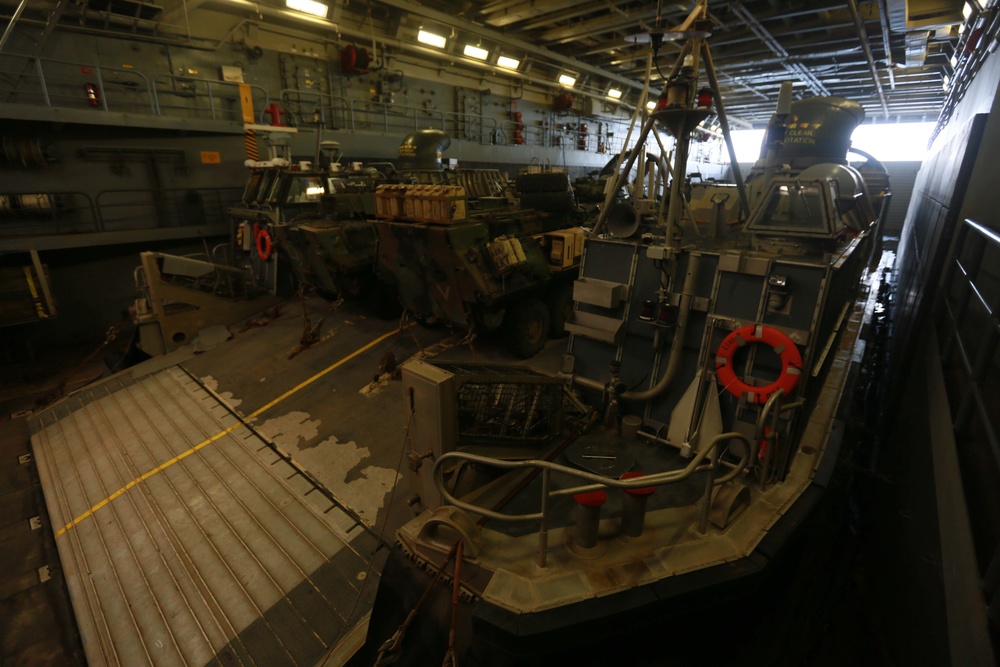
<point>716,335</point>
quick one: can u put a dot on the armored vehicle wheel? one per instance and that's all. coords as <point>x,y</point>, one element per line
<point>560,302</point>
<point>488,319</point>
<point>550,181</point>
<point>527,327</point>
<point>384,301</point>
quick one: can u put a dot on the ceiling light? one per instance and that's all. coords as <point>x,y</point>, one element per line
<point>508,63</point>
<point>651,105</point>
<point>430,38</point>
<point>967,10</point>
<point>615,94</point>
<point>308,6</point>
<point>946,81</point>
<point>476,52</point>
<point>954,61</point>
<point>567,80</point>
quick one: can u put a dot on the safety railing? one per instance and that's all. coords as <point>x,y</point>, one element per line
<point>67,84</point>
<point>61,83</point>
<point>189,96</point>
<point>393,117</point>
<point>177,207</point>
<point>596,482</point>
<point>969,325</point>
<point>335,111</point>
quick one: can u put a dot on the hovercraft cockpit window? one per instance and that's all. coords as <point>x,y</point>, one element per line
<point>303,189</point>
<point>794,208</point>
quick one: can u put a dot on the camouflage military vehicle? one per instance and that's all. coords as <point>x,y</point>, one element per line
<point>484,269</point>
<point>332,247</point>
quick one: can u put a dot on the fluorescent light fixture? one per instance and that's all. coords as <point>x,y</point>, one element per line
<point>615,94</point>
<point>651,105</point>
<point>508,63</point>
<point>430,38</point>
<point>567,80</point>
<point>476,52</point>
<point>308,7</point>
<point>314,190</point>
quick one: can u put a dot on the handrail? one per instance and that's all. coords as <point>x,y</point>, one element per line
<point>489,131</point>
<point>236,112</point>
<point>45,82</point>
<point>598,482</point>
<point>388,110</point>
<point>760,432</point>
<point>326,102</point>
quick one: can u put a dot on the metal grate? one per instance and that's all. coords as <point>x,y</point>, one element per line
<point>522,411</point>
<point>504,404</point>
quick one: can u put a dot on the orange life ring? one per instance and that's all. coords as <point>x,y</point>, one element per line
<point>264,245</point>
<point>791,362</point>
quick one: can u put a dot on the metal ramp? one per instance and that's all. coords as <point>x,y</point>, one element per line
<point>186,538</point>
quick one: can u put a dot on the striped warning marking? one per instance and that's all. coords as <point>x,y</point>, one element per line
<point>250,139</point>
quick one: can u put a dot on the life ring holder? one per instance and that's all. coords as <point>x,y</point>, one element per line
<point>264,245</point>
<point>783,346</point>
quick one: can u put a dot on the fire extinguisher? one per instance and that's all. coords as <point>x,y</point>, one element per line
<point>518,133</point>
<point>581,137</point>
<point>93,94</point>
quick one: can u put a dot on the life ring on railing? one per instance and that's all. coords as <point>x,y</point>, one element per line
<point>264,245</point>
<point>791,362</point>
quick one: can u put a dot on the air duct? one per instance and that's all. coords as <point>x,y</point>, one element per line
<point>422,149</point>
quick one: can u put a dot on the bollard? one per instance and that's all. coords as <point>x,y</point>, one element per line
<point>634,506</point>
<point>588,517</point>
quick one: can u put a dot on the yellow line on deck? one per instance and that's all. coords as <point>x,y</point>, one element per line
<point>227,431</point>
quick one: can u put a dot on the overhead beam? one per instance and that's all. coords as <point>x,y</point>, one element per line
<point>863,36</point>
<point>807,77</point>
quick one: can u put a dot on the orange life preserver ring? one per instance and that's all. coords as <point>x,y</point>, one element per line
<point>264,245</point>
<point>791,362</point>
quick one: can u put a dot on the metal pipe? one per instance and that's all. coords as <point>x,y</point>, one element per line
<point>598,482</point>
<point>10,26</point>
<point>675,350</point>
<point>543,528</point>
<point>724,121</point>
<point>883,13</point>
<point>623,175</point>
<point>863,36</point>
<point>415,9</point>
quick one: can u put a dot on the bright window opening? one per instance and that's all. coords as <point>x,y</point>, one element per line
<point>888,142</point>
